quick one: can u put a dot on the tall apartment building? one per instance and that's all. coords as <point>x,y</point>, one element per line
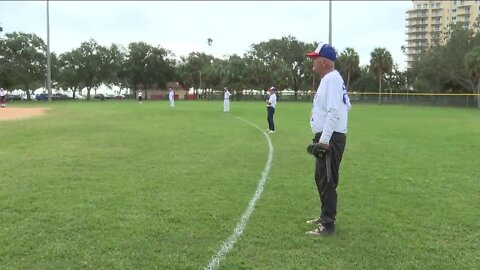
<point>428,22</point>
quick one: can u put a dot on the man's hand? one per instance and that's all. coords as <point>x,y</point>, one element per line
<point>325,146</point>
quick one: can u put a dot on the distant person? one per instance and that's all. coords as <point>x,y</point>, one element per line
<point>140,96</point>
<point>328,121</point>
<point>226,100</point>
<point>3,98</point>
<point>271,104</point>
<point>171,97</point>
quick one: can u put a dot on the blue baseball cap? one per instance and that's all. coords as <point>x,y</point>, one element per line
<point>325,51</point>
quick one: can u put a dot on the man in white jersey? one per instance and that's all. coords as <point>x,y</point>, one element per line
<point>328,121</point>
<point>171,97</point>
<point>226,100</point>
<point>271,104</point>
<point>140,96</point>
<point>3,97</point>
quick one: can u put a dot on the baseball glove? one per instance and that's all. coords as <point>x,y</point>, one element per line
<point>316,150</point>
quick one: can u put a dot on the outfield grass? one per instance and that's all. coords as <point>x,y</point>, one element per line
<point>119,185</point>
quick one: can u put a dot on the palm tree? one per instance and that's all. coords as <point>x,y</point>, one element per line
<point>472,62</point>
<point>350,63</point>
<point>381,62</point>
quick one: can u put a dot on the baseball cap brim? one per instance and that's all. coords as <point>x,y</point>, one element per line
<point>312,54</point>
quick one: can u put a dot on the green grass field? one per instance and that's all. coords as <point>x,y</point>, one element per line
<point>118,185</point>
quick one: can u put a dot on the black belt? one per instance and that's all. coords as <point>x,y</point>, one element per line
<point>335,135</point>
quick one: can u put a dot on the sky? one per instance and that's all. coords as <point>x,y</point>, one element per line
<point>185,26</point>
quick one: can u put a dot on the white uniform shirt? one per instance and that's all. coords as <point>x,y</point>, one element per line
<point>140,93</point>
<point>272,100</point>
<point>3,93</point>
<point>227,95</point>
<point>330,107</point>
<point>170,95</point>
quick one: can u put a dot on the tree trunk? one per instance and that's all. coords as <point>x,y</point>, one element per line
<point>380,89</point>
<point>348,81</point>
<point>28,92</point>
<point>145,91</point>
<point>88,93</point>
<point>478,94</point>
<point>74,90</point>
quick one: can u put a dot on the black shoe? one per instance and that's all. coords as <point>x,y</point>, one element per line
<point>315,221</point>
<point>322,230</point>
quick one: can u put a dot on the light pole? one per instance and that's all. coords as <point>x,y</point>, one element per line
<point>49,68</point>
<point>330,22</point>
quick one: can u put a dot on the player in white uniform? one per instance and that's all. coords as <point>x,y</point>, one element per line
<point>140,96</point>
<point>271,104</point>
<point>3,97</point>
<point>171,97</point>
<point>328,121</point>
<point>226,100</point>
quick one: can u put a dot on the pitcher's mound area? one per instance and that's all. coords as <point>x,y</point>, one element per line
<point>20,113</point>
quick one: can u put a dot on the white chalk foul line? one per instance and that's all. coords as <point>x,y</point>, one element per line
<point>228,244</point>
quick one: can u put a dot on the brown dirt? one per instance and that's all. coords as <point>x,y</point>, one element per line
<point>20,113</point>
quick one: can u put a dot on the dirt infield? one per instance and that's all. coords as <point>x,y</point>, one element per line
<point>20,113</point>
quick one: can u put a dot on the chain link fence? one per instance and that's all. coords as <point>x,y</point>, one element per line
<point>424,99</point>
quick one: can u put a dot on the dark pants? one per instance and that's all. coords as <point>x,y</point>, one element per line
<point>270,112</point>
<point>326,177</point>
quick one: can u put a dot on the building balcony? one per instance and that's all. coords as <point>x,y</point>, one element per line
<point>413,47</point>
<point>416,39</point>
<point>412,53</point>
<point>417,23</point>
<point>436,23</point>
<point>416,16</point>
<point>463,14</point>
<point>416,10</point>
<point>436,16</point>
<point>416,31</point>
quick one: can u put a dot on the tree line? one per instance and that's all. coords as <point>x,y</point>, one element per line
<point>453,67</point>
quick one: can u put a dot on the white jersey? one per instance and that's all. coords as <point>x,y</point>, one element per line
<point>3,93</point>
<point>227,95</point>
<point>140,93</point>
<point>330,107</point>
<point>272,100</point>
<point>171,95</point>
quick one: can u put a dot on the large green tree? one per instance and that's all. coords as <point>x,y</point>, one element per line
<point>472,62</point>
<point>191,69</point>
<point>366,81</point>
<point>24,62</point>
<point>113,62</point>
<point>381,62</point>
<point>149,66</point>
<point>285,58</point>
<point>90,68</point>
<point>349,62</point>
<point>68,70</point>
<point>442,68</point>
